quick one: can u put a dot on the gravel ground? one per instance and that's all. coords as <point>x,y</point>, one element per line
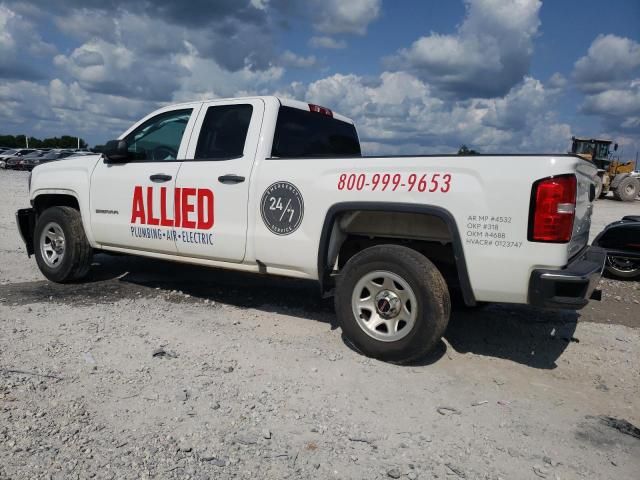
<point>156,370</point>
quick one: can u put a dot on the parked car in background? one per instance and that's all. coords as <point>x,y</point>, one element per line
<point>17,152</point>
<point>29,163</point>
<point>11,157</point>
<point>15,162</point>
<point>8,153</point>
<point>621,240</point>
<point>18,163</point>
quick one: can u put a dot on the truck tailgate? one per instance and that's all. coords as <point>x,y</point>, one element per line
<point>585,196</point>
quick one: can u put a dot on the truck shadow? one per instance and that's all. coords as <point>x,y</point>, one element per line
<point>518,333</point>
<point>522,334</point>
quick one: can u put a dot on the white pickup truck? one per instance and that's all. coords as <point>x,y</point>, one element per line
<point>280,187</point>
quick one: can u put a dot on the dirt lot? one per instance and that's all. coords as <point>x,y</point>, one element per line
<point>155,370</point>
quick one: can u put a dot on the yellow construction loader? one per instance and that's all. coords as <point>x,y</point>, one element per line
<point>613,176</point>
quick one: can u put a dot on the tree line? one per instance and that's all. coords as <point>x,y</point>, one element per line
<point>20,141</point>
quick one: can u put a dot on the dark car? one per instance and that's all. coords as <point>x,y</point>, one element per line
<point>31,162</point>
<point>11,158</point>
<point>23,161</point>
<point>17,161</point>
<point>621,240</point>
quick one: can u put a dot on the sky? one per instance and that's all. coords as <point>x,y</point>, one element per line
<point>417,76</point>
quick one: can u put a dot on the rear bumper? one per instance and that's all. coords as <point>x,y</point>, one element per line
<point>26,220</point>
<point>570,287</point>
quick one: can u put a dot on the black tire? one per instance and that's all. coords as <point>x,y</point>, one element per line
<point>623,268</point>
<point>431,294</point>
<point>627,190</point>
<point>76,259</point>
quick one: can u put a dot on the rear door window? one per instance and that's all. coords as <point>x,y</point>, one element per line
<point>224,132</point>
<point>310,134</point>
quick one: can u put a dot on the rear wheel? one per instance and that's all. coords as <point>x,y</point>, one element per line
<point>627,190</point>
<point>62,251</point>
<point>392,303</point>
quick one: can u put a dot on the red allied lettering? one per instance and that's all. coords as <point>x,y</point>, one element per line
<point>137,210</point>
<point>187,207</point>
<point>177,209</point>
<point>205,196</point>
<point>187,201</point>
<point>164,220</point>
<point>151,220</point>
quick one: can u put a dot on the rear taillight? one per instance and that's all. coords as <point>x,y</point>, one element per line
<point>553,209</point>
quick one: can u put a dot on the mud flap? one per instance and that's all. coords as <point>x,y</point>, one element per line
<point>26,220</point>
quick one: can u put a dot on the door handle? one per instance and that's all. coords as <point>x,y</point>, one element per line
<point>231,179</point>
<point>160,177</point>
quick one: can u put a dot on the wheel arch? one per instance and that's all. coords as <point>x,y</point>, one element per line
<point>44,199</point>
<point>330,241</point>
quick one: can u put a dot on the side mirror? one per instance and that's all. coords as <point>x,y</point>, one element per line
<point>116,151</point>
<point>615,147</point>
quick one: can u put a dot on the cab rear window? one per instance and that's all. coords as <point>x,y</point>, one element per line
<point>303,134</point>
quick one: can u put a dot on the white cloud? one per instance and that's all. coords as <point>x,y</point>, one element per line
<point>618,108</point>
<point>611,61</point>
<point>22,101</point>
<point>6,40</point>
<point>609,75</point>
<point>340,16</point>
<point>487,56</point>
<point>259,4</point>
<point>557,81</point>
<point>68,97</point>
<point>103,67</point>
<point>206,79</point>
<point>327,42</point>
<point>400,113</point>
<point>23,53</point>
<point>232,32</point>
<point>290,59</point>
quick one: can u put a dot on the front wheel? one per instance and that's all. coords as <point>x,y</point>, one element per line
<point>392,303</point>
<point>62,251</point>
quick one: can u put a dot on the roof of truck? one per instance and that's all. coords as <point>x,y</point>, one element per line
<point>287,102</point>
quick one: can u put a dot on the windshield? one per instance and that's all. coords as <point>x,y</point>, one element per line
<point>583,147</point>
<point>158,138</point>
<point>602,150</point>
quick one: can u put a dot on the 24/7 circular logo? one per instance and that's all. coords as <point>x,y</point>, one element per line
<point>282,208</point>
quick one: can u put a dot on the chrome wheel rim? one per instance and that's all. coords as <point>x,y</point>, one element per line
<point>622,264</point>
<point>384,306</point>
<point>52,244</point>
